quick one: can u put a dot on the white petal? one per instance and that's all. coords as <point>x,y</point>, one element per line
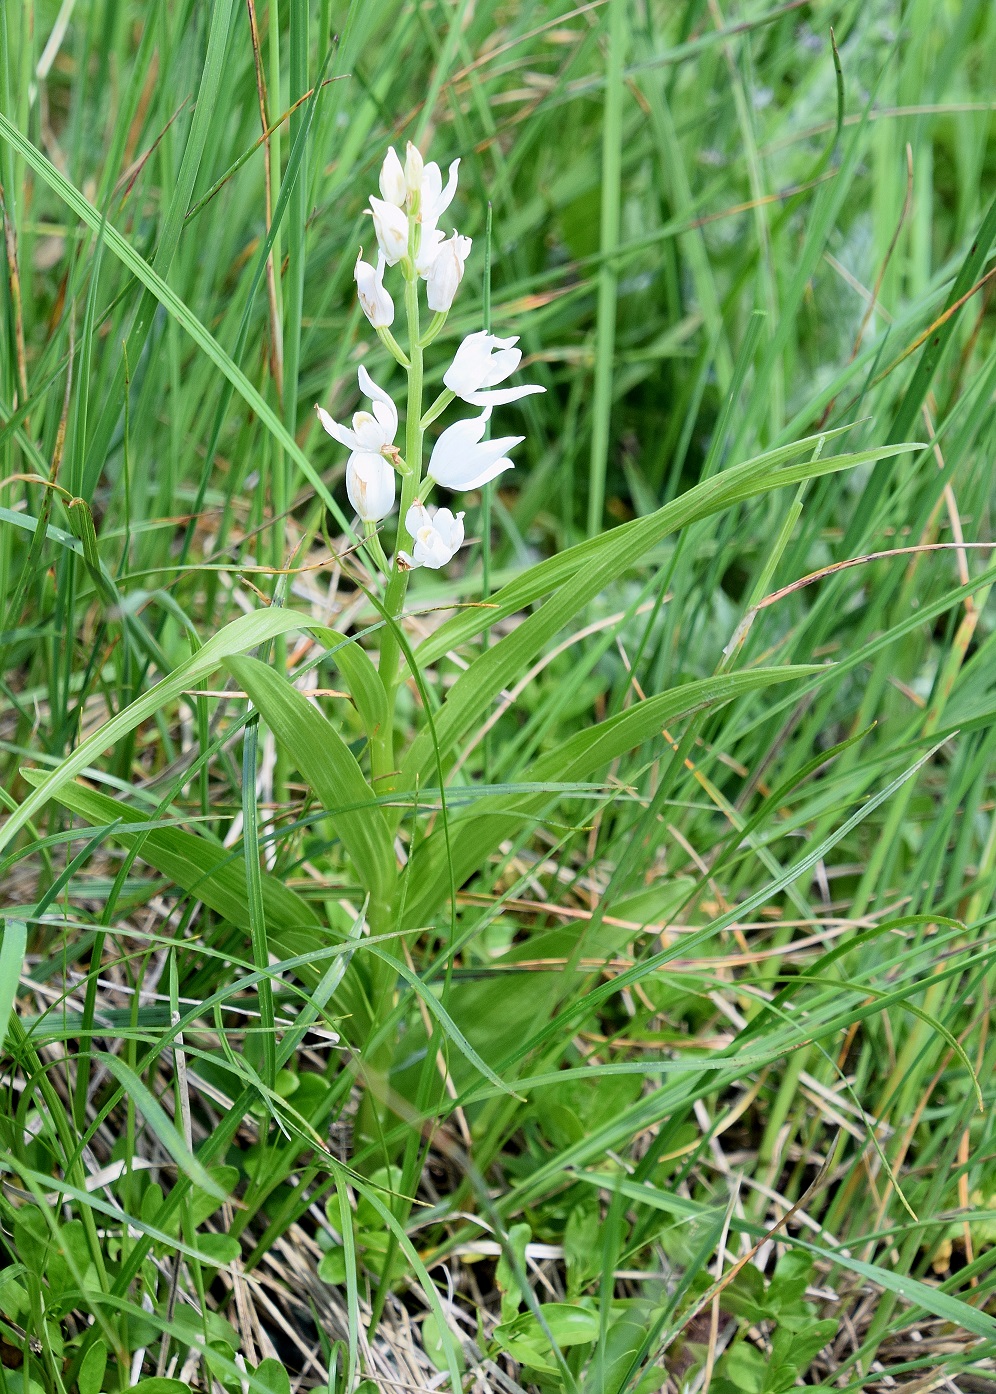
<point>432,240</point>
<point>446,273</point>
<point>384,409</point>
<point>469,368</point>
<point>459,461</point>
<point>488,472</point>
<point>375,301</point>
<point>369,432</point>
<point>432,183</point>
<point>504,362</point>
<point>392,179</point>
<point>445,198</point>
<point>499,396</point>
<point>450,528</point>
<point>414,169</point>
<point>340,433</point>
<point>391,227</point>
<point>370,484</point>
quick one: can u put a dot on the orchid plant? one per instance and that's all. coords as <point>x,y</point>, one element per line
<point>406,222</point>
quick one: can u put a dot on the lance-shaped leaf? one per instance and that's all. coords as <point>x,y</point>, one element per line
<point>475,835</point>
<point>329,766</point>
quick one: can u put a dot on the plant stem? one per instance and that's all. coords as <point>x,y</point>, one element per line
<point>394,600</point>
<point>378,1064</point>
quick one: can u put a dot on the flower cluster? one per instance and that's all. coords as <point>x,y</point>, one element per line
<point>406,218</point>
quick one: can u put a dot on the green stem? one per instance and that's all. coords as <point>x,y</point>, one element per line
<point>397,586</point>
<point>438,407</point>
<point>378,1061</point>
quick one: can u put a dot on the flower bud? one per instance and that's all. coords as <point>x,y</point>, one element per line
<point>375,301</point>
<point>392,179</point>
<point>446,272</point>
<point>370,484</point>
<point>437,535</point>
<point>413,174</point>
<point>391,227</point>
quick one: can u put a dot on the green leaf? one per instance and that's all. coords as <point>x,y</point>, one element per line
<point>329,766</point>
<point>363,679</point>
<point>526,1341</point>
<point>200,866</point>
<point>332,1266</point>
<point>244,633</point>
<point>91,1373</point>
<point>156,1384</point>
<point>274,1375</point>
<point>219,1248</point>
<point>475,834</point>
<point>506,1282</point>
<point>746,1368</point>
<point>12,947</point>
<point>434,1345</point>
<point>161,1124</point>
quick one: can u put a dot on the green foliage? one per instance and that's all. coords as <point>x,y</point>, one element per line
<point>475,967</point>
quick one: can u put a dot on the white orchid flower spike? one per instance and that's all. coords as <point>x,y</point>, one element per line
<point>370,479</point>
<point>438,536</point>
<point>481,361</point>
<point>461,460</point>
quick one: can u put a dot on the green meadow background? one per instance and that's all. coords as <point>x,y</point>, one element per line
<point>684,1080</point>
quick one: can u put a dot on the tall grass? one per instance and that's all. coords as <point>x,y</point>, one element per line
<point>670,1064</point>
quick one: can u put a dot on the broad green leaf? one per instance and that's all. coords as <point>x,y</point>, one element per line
<point>365,685</point>
<point>244,633</point>
<point>526,1341</point>
<point>274,1375</point>
<point>200,867</point>
<point>329,766</point>
<point>91,1375</point>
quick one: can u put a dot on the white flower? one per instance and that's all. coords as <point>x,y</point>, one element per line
<point>461,460</point>
<point>392,179</point>
<point>432,240</point>
<point>391,227</point>
<point>435,199</point>
<point>370,433</point>
<point>375,301</point>
<point>446,272</point>
<point>482,360</point>
<point>370,482</point>
<point>437,534</point>
<point>414,171</point>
